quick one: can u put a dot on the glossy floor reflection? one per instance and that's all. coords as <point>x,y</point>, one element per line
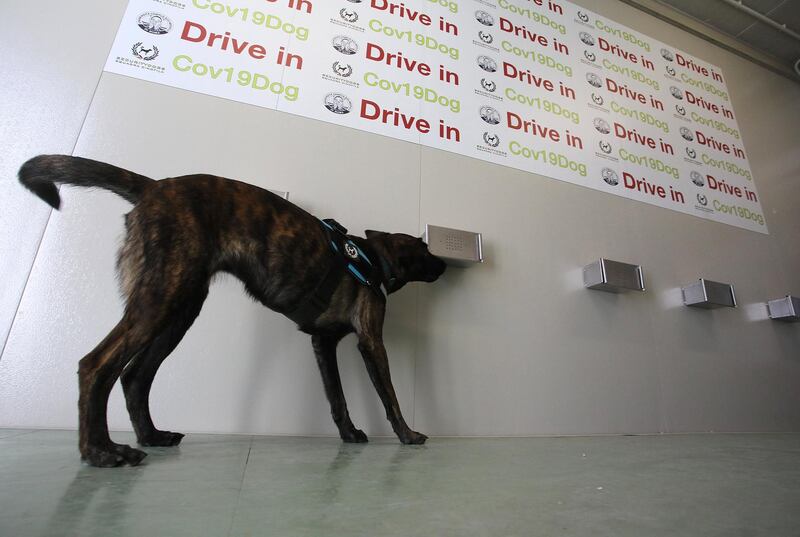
<point>689,485</point>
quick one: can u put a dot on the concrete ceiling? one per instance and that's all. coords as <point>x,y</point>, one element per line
<point>747,29</point>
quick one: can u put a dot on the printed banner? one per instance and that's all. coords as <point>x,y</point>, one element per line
<point>537,85</point>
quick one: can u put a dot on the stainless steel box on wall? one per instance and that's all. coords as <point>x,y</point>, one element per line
<point>784,309</point>
<point>456,247</point>
<point>708,294</point>
<point>613,276</point>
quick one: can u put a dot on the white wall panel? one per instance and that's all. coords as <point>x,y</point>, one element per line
<point>513,347</point>
<point>241,367</point>
<point>53,55</point>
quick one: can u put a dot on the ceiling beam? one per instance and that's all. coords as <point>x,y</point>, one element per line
<point>740,6</point>
<point>671,15</point>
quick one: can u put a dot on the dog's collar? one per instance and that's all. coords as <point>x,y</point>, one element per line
<point>389,279</point>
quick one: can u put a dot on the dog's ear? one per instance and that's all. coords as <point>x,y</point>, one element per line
<point>372,233</point>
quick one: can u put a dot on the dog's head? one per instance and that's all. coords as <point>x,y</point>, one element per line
<point>407,257</point>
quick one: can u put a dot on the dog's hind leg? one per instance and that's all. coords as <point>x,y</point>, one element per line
<point>137,378</point>
<point>97,373</point>
<point>325,351</point>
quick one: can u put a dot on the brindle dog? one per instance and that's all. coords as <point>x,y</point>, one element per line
<point>181,232</point>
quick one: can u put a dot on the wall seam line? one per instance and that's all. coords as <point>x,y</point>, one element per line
<point>47,224</point>
<point>416,303</point>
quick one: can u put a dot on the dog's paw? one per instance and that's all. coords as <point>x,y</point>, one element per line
<point>102,458</point>
<point>161,439</point>
<point>413,437</point>
<point>356,436</point>
<point>113,455</point>
<point>130,456</point>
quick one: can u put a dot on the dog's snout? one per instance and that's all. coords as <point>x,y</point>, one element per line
<point>436,268</point>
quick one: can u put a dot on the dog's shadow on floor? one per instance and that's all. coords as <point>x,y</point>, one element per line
<point>100,501</point>
<point>97,499</point>
<point>344,478</point>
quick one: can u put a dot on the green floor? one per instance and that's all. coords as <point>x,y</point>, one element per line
<point>688,486</point>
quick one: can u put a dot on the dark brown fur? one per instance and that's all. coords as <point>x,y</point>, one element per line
<point>180,233</point>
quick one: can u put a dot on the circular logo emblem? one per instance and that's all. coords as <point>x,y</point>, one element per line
<point>348,15</point>
<point>484,18</point>
<point>691,153</point>
<point>154,23</point>
<point>702,200</point>
<point>670,70</point>
<point>587,38</point>
<point>345,45</point>
<point>492,140</point>
<point>697,178</point>
<point>488,85</point>
<point>342,69</point>
<point>583,16</point>
<point>486,37</point>
<point>601,125</point>
<point>681,110</point>
<point>605,147</point>
<point>686,134</point>
<point>589,55</point>
<point>676,92</point>
<point>594,80</point>
<point>338,103</point>
<point>667,55</point>
<point>350,250</point>
<point>490,115</point>
<point>487,64</point>
<point>597,99</point>
<point>610,176</point>
<point>143,53</point>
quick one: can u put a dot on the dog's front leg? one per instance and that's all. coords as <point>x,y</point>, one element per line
<point>370,344</point>
<point>325,351</point>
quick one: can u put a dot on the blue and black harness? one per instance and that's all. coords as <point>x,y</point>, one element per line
<point>350,255</point>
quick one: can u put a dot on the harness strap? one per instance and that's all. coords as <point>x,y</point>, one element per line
<point>348,256</point>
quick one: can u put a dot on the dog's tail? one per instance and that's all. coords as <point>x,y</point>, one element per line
<point>41,174</point>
